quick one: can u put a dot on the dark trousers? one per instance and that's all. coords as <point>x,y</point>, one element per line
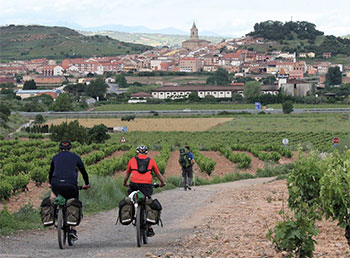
<point>187,174</point>
<point>146,189</point>
<point>68,191</point>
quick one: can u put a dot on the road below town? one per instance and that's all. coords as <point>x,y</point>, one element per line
<point>100,237</point>
<point>175,112</point>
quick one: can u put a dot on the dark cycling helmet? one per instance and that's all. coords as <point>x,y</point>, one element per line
<point>65,145</point>
<point>142,149</point>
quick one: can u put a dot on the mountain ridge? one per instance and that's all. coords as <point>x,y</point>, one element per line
<point>56,42</point>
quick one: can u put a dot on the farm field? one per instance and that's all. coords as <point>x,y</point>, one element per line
<point>287,123</point>
<point>152,124</point>
<point>199,106</point>
<point>246,123</point>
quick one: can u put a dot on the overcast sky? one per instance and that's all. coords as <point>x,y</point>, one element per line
<point>228,17</point>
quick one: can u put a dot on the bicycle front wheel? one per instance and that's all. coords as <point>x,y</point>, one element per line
<point>61,234</point>
<point>144,230</point>
<point>138,226</point>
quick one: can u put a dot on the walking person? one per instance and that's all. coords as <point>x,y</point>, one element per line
<point>186,161</point>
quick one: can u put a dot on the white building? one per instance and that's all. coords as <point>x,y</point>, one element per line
<point>218,91</point>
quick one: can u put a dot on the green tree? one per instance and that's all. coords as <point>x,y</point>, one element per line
<point>120,79</point>
<point>209,99</point>
<point>193,97</point>
<point>63,103</point>
<point>5,112</point>
<point>76,89</point>
<point>33,106</point>
<point>98,134</point>
<point>8,93</point>
<point>71,131</point>
<point>219,77</point>
<point>269,80</point>
<point>97,88</point>
<point>237,98</point>
<point>29,85</point>
<point>39,119</point>
<point>82,103</point>
<point>44,99</point>
<point>252,90</point>
<point>287,107</point>
<point>333,76</point>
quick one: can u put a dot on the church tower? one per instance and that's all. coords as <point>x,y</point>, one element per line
<point>194,32</point>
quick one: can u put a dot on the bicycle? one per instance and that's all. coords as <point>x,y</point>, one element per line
<point>63,229</point>
<point>140,220</point>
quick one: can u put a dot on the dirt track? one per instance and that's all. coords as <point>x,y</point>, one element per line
<point>99,237</point>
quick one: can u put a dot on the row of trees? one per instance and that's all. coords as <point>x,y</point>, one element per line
<point>73,131</point>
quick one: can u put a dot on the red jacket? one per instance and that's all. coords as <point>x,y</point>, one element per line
<point>137,177</point>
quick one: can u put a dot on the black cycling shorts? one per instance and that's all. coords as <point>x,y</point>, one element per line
<point>146,189</point>
<point>68,191</point>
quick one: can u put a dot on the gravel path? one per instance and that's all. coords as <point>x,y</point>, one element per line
<point>99,237</point>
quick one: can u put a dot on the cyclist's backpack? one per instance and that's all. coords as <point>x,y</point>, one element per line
<point>142,165</point>
<point>184,161</point>
<point>153,211</point>
<point>74,212</point>
<point>47,212</point>
<point>126,211</point>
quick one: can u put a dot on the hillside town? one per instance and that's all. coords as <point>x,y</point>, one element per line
<point>292,71</point>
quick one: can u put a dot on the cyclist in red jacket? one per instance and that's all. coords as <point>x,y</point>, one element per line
<point>140,168</point>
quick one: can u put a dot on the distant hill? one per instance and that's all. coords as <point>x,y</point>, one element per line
<point>28,42</point>
<point>151,39</point>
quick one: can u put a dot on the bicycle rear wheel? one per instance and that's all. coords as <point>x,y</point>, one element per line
<point>138,226</point>
<point>61,234</point>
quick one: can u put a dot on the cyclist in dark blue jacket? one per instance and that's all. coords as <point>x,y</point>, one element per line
<point>63,176</point>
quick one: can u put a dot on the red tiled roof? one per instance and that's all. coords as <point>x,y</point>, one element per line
<point>141,95</point>
<point>233,55</point>
<point>196,88</point>
<point>295,81</point>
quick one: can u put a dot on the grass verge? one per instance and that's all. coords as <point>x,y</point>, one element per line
<point>26,218</point>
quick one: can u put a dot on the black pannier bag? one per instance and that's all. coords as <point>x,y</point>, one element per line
<point>74,213</point>
<point>126,211</point>
<point>47,212</point>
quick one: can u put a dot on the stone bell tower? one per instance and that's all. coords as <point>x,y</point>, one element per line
<point>194,32</point>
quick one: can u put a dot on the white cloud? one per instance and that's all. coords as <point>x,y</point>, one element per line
<point>229,17</point>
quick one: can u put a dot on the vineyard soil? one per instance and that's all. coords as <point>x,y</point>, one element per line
<point>240,220</point>
<point>33,195</point>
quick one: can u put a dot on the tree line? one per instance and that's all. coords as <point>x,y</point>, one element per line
<point>276,30</point>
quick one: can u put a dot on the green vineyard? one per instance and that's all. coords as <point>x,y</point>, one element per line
<point>22,161</point>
